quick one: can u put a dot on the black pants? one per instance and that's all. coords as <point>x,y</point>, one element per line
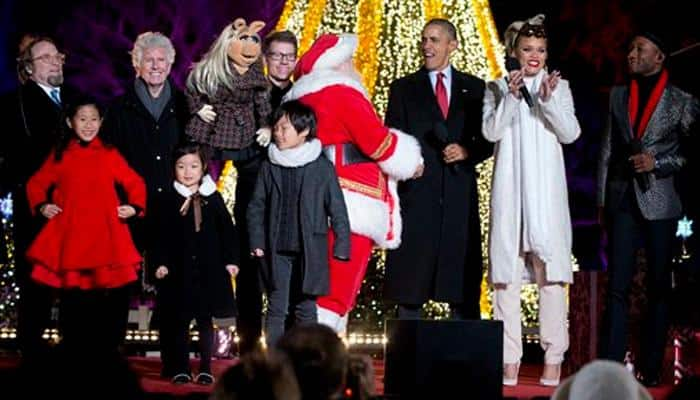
<point>248,288</point>
<point>174,330</point>
<point>36,300</point>
<point>177,343</point>
<point>627,230</point>
<point>93,322</point>
<point>286,295</point>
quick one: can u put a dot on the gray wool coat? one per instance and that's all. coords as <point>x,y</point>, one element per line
<point>322,207</point>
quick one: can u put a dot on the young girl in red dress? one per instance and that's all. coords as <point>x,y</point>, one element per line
<point>85,248</point>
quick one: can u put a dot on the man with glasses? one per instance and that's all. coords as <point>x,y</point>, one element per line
<point>35,114</point>
<point>280,50</point>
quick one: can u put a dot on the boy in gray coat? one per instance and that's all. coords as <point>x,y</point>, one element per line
<point>296,199</point>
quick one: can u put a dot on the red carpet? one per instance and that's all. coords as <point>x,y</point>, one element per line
<point>148,369</point>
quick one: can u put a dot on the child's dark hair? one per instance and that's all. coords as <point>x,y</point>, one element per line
<point>299,115</point>
<point>186,148</point>
<point>66,133</point>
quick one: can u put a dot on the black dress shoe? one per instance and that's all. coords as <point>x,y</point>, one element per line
<point>204,378</point>
<point>181,379</point>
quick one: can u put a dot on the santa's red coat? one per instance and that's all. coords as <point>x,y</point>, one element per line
<point>87,245</point>
<point>345,115</point>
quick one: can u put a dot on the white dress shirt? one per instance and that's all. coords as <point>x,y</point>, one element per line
<point>447,80</point>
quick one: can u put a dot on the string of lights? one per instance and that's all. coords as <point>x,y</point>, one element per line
<point>9,291</point>
<point>389,36</point>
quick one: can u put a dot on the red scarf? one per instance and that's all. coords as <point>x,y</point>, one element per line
<point>654,98</point>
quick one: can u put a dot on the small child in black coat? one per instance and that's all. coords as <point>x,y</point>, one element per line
<point>296,195</point>
<point>196,257</point>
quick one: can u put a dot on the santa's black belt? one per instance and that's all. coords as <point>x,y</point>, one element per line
<point>351,154</point>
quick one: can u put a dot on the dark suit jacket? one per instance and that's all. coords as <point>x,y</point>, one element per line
<point>31,131</point>
<point>440,254</point>
<point>670,124</point>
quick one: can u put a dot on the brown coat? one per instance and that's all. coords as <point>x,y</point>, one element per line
<point>239,111</point>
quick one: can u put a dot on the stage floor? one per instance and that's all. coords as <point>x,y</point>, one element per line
<point>148,371</point>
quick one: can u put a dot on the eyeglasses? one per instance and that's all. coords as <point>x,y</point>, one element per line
<point>274,56</point>
<point>532,30</point>
<point>58,58</point>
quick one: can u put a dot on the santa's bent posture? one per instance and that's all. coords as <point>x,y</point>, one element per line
<point>369,158</point>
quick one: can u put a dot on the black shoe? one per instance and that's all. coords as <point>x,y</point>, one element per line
<point>204,378</point>
<point>181,379</point>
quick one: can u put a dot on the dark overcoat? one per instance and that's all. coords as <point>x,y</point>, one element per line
<point>440,253</point>
<point>197,282</point>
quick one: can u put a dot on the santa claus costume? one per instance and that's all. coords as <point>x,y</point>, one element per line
<point>369,158</point>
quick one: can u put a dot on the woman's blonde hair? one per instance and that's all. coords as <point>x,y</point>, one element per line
<point>214,69</point>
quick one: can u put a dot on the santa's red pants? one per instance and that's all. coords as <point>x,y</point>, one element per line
<point>346,276</point>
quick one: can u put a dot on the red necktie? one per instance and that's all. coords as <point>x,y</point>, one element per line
<point>441,94</point>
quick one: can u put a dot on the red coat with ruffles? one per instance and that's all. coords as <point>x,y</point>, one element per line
<point>87,245</point>
<point>346,116</point>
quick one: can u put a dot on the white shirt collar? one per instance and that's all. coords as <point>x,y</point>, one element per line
<point>447,71</point>
<point>48,89</point>
<point>447,80</point>
<point>206,188</point>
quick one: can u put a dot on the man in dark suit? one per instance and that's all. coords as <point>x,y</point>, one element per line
<point>35,115</point>
<point>641,153</point>
<point>440,255</point>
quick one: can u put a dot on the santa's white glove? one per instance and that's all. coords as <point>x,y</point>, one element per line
<point>207,114</point>
<point>264,136</point>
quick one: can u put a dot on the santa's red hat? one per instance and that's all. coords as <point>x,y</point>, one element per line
<point>328,51</point>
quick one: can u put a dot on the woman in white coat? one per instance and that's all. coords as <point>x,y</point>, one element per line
<point>530,223</point>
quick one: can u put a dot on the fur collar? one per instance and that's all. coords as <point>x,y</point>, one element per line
<point>206,188</point>
<point>296,157</point>
<point>321,79</point>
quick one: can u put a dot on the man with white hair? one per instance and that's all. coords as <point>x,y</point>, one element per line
<point>148,120</point>
<point>369,159</point>
<point>145,124</point>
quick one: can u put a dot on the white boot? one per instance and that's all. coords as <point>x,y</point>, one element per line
<point>330,319</point>
<point>342,328</point>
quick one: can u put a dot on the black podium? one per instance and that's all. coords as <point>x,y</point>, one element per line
<point>443,359</point>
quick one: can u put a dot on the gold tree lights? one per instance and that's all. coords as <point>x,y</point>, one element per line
<point>389,36</point>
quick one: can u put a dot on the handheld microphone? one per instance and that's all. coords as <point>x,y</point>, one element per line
<point>512,64</point>
<point>642,177</point>
<point>443,136</point>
